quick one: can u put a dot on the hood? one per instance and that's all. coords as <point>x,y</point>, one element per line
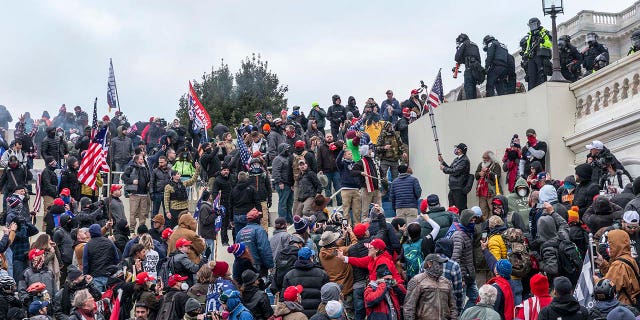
<point>571,180</point>
<point>521,183</point>
<point>565,305</point>
<point>444,246</point>
<point>548,194</point>
<point>628,188</point>
<point>619,244</point>
<point>584,172</point>
<point>95,231</point>
<point>607,305</point>
<point>602,205</point>
<point>187,221</point>
<point>234,299</point>
<point>465,217</point>
<point>121,227</point>
<point>282,148</point>
<point>304,264</point>
<point>546,227</point>
<point>351,101</point>
<point>505,202</point>
<point>536,165</point>
<point>70,162</point>
<point>286,307</point>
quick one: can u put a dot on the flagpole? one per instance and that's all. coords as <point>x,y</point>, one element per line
<point>115,85</point>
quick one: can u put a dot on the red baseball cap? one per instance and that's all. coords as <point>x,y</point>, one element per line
<point>58,202</point>
<point>378,244</point>
<point>115,187</point>
<point>166,233</point>
<point>65,192</point>
<point>182,242</point>
<point>360,229</point>
<point>143,277</point>
<point>414,91</point>
<point>291,293</point>
<point>299,144</point>
<point>175,279</point>
<point>35,253</point>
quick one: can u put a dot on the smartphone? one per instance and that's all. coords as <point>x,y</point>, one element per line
<point>484,236</point>
<point>344,222</point>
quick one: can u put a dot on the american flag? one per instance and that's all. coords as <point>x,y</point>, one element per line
<point>436,95</point>
<point>245,157</point>
<point>220,210</point>
<point>95,158</point>
<point>112,91</point>
<point>38,201</point>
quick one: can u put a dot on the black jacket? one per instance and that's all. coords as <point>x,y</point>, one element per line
<point>257,302</point>
<point>466,51</point>
<point>244,197</point>
<point>458,172</point>
<point>207,221</point>
<point>12,177</point>
<point>327,158</point>
<point>224,186</point>
<point>359,250</point>
<point>99,253</point>
<point>336,115</point>
<point>159,179</point>
<point>63,241</point>
<point>62,300</point>
<point>69,179</point>
<point>565,307</point>
<point>311,277</point>
<point>211,163</point>
<point>140,173</point>
<point>262,183</point>
<point>583,196</point>
<point>284,262</point>
<point>49,183</point>
<point>496,55</point>
<point>179,300</point>
<point>53,147</point>
<point>308,185</point>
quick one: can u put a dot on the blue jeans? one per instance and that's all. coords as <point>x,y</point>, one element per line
<point>516,288</point>
<point>358,303</point>
<point>471,291</point>
<point>239,222</point>
<point>157,198</point>
<point>100,283</point>
<point>285,203</point>
<point>334,179</point>
<point>211,244</point>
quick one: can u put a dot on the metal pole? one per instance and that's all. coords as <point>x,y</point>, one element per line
<point>433,127</point>
<point>556,76</point>
<point>115,85</point>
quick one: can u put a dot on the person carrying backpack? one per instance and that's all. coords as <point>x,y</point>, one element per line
<point>174,300</point>
<point>179,263</point>
<point>560,256</point>
<point>621,268</point>
<point>416,248</point>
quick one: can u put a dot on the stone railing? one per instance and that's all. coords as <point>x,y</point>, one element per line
<point>600,21</point>
<point>610,86</point>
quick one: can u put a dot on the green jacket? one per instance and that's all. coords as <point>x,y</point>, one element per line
<point>520,205</point>
<point>480,311</point>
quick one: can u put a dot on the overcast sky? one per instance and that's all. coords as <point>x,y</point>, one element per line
<point>57,51</point>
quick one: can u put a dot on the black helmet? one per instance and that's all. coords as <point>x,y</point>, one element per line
<point>84,202</point>
<point>534,23</point>
<point>7,284</point>
<point>334,98</point>
<point>488,38</point>
<point>462,38</point>
<point>635,39</point>
<point>604,290</point>
<point>563,41</point>
<point>591,38</point>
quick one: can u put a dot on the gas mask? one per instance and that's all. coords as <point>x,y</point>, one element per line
<point>591,39</point>
<point>522,192</point>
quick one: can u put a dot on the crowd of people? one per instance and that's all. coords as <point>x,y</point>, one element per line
<point>353,237</point>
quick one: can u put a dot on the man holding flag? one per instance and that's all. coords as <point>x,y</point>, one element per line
<point>206,222</point>
<point>95,158</point>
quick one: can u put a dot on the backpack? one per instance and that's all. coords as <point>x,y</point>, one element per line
<point>412,253</point>
<point>296,168</point>
<point>284,264</point>
<point>166,270</point>
<point>167,311</point>
<point>569,259</point>
<point>517,252</point>
<point>636,301</point>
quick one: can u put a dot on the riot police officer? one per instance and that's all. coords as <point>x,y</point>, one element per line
<point>635,43</point>
<point>467,53</point>
<point>593,50</point>
<point>524,62</point>
<point>538,53</point>
<point>495,65</point>
<point>570,59</point>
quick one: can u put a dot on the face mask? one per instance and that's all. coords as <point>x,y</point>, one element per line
<point>532,140</point>
<point>66,199</point>
<point>522,192</point>
<point>21,196</point>
<point>568,186</point>
<point>184,286</point>
<point>13,165</point>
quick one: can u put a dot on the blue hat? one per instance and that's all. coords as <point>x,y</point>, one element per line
<point>34,307</point>
<point>503,267</point>
<point>477,212</point>
<point>305,253</point>
<point>95,230</point>
<point>433,200</point>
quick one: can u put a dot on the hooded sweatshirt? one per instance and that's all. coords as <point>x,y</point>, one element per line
<point>602,214</point>
<point>520,205</point>
<point>618,271</point>
<point>186,229</point>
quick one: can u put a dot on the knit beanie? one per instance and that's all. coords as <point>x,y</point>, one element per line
<point>539,284</point>
<point>95,230</point>
<point>503,268</point>
<point>334,309</point>
<point>584,171</point>
<point>299,224</point>
<point>237,249</point>
<point>573,214</point>
<point>330,291</point>
<point>220,269</point>
<point>620,313</point>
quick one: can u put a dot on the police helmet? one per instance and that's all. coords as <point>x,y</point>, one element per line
<point>591,38</point>
<point>84,202</point>
<point>534,23</point>
<point>564,40</point>
<point>635,38</point>
<point>334,98</point>
<point>488,38</point>
<point>462,38</point>
<point>601,58</point>
<point>604,290</point>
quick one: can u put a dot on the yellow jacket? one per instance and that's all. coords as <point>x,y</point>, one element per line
<point>497,247</point>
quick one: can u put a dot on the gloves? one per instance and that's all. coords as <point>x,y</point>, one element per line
<point>269,203</point>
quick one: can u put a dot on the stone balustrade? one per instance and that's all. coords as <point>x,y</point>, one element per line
<point>604,89</point>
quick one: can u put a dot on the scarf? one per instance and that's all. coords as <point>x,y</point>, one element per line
<point>435,270</point>
<point>507,295</point>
